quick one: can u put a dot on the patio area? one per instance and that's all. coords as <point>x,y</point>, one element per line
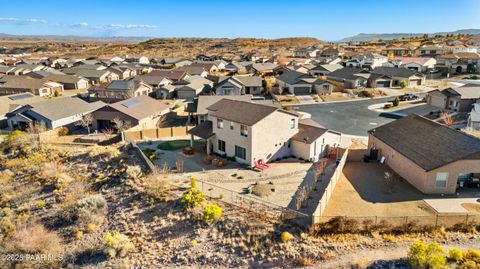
<point>363,191</point>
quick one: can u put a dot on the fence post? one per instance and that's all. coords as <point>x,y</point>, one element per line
<point>436,221</point>
<point>466,220</point>
<point>406,221</point>
<point>376,220</point>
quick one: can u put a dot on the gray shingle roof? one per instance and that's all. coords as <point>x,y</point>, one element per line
<point>241,112</point>
<point>428,144</point>
<point>309,131</point>
<point>395,72</point>
<point>349,73</point>
<point>62,107</point>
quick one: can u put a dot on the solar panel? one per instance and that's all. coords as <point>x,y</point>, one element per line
<point>131,103</point>
<point>20,96</point>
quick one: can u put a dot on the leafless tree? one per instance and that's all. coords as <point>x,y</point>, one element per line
<point>300,197</point>
<point>86,121</point>
<point>120,125</point>
<point>447,119</point>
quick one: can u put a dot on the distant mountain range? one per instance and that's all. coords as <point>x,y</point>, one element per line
<point>371,37</point>
<point>113,39</point>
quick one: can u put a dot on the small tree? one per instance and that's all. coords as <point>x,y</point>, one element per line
<point>396,101</point>
<point>86,122</point>
<point>447,119</point>
<point>120,125</point>
<point>403,84</point>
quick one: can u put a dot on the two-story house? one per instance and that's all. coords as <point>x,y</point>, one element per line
<point>239,85</point>
<point>251,132</point>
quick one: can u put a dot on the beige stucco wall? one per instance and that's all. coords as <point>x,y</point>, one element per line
<point>268,139</point>
<point>419,178</point>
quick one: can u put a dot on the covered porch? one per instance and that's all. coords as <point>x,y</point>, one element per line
<point>204,131</point>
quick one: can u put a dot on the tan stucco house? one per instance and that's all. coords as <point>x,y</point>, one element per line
<point>432,157</point>
<point>251,132</point>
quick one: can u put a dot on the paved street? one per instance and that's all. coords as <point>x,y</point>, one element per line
<point>353,118</point>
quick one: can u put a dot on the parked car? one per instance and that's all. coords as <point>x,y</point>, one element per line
<point>408,97</point>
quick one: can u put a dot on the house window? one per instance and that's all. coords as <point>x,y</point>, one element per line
<point>240,152</point>
<point>292,124</point>
<point>441,180</point>
<point>219,123</point>
<point>221,145</point>
<point>231,125</point>
<point>243,130</point>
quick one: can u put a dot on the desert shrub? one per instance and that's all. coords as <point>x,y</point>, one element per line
<point>117,244</point>
<point>193,183</point>
<point>5,178</point>
<point>455,255</point>
<point>91,227</point>
<point>304,261</point>
<point>422,255</point>
<point>472,255</point>
<point>286,236</point>
<point>403,84</point>
<point>194,242</point>
<point>389,238</point>
<point>133,172</point>
<point>157,188</point>
<point>338,225</point>
<point>89,209</point>
<point>387,106</point>
<point>41,204</point>
<point>470,265</point>
<point>35,239</point>
<point>212,213</point>
<point>62,131</point>
<point>108,151</point>
<point>396,101</point>
<point>368,93</point>
<point>192,198</point>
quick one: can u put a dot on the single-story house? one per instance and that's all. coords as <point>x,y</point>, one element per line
<point>419,64</point>
<point>350,77</point>
<point>70,82</point>
<point>432,157</point>
<point>141,112</point>
<point>324,69</point>
<point>118,90</point>
<point>194,86</point>
<point>97,76</point>
<point>239,85</point>
<point>458,99</point>
<point>299,83</point>
<point>21,84</point>
<point>194,70</point>
<point>173,75</point>
<point>11,102</point>
<point>52,113</point>
<point>396,75</point>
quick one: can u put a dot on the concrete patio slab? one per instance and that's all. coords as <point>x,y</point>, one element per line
<point>450,205</point>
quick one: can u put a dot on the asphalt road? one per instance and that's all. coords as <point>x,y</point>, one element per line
<point>353,118</point>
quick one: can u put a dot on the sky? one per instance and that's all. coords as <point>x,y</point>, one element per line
<point>328,20</point>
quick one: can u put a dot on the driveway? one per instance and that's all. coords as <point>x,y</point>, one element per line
<point>351,117</point>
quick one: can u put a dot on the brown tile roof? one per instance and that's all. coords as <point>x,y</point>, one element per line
<point>239,111</point>
<point>427,143</point>
<point>173,75</point>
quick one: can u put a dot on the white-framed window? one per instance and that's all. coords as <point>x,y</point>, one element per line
<point>219,123</point>
<point>441,180</point>
<point>292,124</point>
<point>221,145</point>
<point>231,125</point>
<point>243,130</point>
<point>240,152</point>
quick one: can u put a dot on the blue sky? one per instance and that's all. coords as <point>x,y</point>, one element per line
<point>323,19</point>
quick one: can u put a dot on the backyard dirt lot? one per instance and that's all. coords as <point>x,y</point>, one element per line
<point>362,191</point>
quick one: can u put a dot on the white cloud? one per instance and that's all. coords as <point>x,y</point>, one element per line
<point>19,21</point>
<point>113,26</point>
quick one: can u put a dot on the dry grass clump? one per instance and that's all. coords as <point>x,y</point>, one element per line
<point>91,209</point>
<point>157,188</point>
<point>117,244</point>
<point>99,151</point>
<point>263,190</point>
<point>304,261</point>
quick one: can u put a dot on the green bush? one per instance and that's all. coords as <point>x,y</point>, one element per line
<point>455,255</point>
<point>192,198</point>
<point>387,106</point>
<point>212,213</point>
<point>396,101</point>
<point>403,84</point>
<point>422,256</point>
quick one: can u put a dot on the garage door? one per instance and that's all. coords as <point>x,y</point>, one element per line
<point>415,82</point>
<point>436,101</point>
<point>383,83</point>
<point>301,90</point>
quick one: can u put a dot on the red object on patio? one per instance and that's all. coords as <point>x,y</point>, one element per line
<point>265,165</point>
<point>257,166</point>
